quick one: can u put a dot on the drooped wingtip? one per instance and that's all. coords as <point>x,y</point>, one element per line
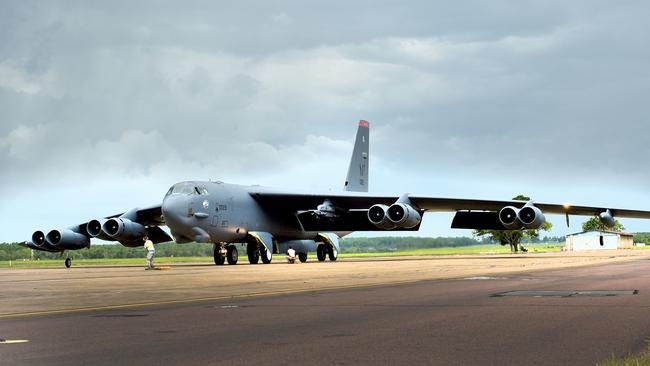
<point>364,123</point>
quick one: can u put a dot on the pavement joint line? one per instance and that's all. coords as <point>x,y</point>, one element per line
<point>198,299</point>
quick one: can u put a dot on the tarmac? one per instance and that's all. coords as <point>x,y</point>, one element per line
<point>538,309</point>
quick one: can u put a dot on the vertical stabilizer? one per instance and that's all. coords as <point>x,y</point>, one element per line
<point>357,180</point>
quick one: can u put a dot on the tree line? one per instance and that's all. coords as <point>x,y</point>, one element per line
<point>13,251</point>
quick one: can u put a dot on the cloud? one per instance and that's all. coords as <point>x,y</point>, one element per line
<point>17,80</point>
<point>473,99</point>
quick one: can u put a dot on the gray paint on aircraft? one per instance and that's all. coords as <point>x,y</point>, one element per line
<point>357,178</point>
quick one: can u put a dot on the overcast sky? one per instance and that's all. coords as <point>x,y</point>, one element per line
<point>106,106</point>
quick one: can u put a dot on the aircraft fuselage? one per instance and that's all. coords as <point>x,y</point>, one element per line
<point>226,213</point>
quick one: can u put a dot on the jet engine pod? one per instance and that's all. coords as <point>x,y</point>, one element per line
<point>40,242</point>
<point>509,217</point>
<point>531,217</point>
<point>377,216</point>
<point>123,229</point>
<point>67,239</point>
<point>38,238</point>
<point>404,216</point>
<point>94,229</point>
<point>607,218</point>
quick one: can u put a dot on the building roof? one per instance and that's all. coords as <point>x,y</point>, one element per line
<point>602,231</point>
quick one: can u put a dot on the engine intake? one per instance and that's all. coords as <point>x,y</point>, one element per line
<point>509,217</point>
<point>38,238</point>
<point>123,229</point>
<point>377,216</point>
<point>404,216</point>
<point>67,239</point>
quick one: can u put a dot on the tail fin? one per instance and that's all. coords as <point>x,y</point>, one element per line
<point>357,180</point>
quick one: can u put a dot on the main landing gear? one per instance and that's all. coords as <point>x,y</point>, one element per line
<point>324,251</point>
<point>256,252</point>
<point>223,253</point>
<point>68,262</point>
<point>302,257</point>
<point>253,253</point>
<point>228,253</point>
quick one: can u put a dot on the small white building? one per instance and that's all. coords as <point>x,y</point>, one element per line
<point>599,240</point>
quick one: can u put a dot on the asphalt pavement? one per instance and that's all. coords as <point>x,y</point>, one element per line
<point>462,321</point>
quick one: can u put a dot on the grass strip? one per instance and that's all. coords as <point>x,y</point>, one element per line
<point>468,250</point>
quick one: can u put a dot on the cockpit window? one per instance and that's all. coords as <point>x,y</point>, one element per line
<point>187,189</point>
<point>183,188</point>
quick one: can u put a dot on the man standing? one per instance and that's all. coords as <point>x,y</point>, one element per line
<point>151,251</point>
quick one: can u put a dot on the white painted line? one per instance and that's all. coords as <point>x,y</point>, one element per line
<point>13,341</point>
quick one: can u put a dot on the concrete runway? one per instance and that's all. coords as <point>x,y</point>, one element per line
<point>447,319</point>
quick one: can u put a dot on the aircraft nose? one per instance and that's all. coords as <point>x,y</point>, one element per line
<point>174,209</point>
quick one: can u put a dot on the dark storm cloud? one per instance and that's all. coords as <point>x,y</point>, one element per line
<point>483,98</point>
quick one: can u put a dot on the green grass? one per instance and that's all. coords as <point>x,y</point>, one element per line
<point>474,249</point>
<point>641,360</point>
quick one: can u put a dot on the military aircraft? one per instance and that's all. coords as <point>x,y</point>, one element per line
<point>268,220</point>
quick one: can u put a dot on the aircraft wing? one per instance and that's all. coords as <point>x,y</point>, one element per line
<point>352,209</point>
<point>458,204</point>
<point>78,236</point>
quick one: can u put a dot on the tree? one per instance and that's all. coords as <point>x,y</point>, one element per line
<point>594,224</point>
<point>513,237</point>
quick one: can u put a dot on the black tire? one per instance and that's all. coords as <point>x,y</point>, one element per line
<point>302,257</point>
<point>219,259</point>
<point>253,254</point>
<point>321,252</point>
<point>68,262</point>
<point>233,255</point>
<point>332,253</point>
<point>265,255</point>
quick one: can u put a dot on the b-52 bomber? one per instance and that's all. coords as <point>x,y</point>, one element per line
<point>267,221</point>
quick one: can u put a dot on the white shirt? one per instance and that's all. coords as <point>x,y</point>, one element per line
<point>148,245</point>
<point>291,253</point>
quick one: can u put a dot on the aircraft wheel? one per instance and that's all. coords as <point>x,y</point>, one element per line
<point>321,252</point>
<point>332,253</point>
<point>219,258</point>
<point>232,255</point>
<point>68,262</point>
<point>266,255</point>
<point>302,257</point>
<point>253,254</point>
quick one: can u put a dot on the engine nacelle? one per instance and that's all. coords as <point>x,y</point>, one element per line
<point>377,215</point>
<point>123,229</point>
<point>67,239</point>
<point>509,217</point>
<point>607,219</point>
<point>38,238</point>
<point>94,228</point>
<point>531,217</point>
<point>404,216</point>
<point>39,241</point>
